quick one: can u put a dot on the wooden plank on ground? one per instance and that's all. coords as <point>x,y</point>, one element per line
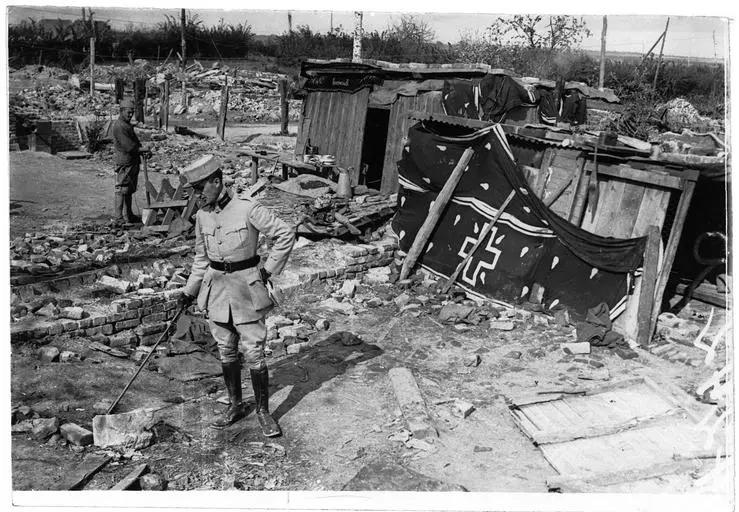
<point>80,476</point>
<point>412,403</point>
<point>596,482</point>
<point>130,478</point>
<point>648,285</point>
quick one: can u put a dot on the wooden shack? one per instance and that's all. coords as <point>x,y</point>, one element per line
<point>358,111</point>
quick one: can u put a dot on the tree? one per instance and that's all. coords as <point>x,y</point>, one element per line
<point>550,32</point>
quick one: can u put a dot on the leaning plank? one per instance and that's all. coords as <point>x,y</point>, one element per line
<point>181,203</point>
<point>594,482</point>
<point>131,478</point>
<point>439,204</point>
<point>672,242</point>
<point>411,403</point>
<point>648,285</point>
<point>77,479</point>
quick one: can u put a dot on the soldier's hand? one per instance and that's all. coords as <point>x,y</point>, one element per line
<point>185,300</point>
<point>265,275</point>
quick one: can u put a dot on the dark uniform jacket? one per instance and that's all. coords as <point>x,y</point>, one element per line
<point>126,143</point>
<point>230,232</point>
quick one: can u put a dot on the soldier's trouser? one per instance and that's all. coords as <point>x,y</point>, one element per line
<point>249,337</point>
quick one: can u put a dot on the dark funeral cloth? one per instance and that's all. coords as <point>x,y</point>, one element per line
<point>574,108</point>
<point>528,244</point>
<point>459,98</point>
<point>501,93</point>
<point>548,110</point>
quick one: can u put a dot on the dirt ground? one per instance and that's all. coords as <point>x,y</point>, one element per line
<point>334,402</point>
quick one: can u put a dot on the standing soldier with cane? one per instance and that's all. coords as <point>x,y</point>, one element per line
<point>230,285</point>
<point>128,151</point>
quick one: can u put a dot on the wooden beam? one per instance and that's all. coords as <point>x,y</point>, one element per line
<point>79,477</point>
<point>672,242</point>
<point>648,285</point>
<point>423,235</point>
<point>485,232</point>
<point>412,403</point>
<point>131,478</point>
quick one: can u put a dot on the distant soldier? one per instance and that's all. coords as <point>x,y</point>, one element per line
<point>230,284</point>
<point>127,160</point>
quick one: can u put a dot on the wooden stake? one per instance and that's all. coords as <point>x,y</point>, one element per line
<point>92,66</point>
<point>221,128</point>
<point>434,215</point>
<point>659,60</point>
<point>602,74</point>
<point>648,285</point>
<point>283,106</point>
<point>485,232</point>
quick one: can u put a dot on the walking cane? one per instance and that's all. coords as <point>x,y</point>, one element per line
<point>153,349</point>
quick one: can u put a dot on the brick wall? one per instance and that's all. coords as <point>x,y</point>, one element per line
<point>55,136</point>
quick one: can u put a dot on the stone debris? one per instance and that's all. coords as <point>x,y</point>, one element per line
<point>128,430</point>
<point>44,427</point>
<point>48,354</point>
<point>349,288</point>
<point>49,310</point>
<point>68,356</point>
<point>576,348</point>
<point>454,312</point>
<point>152,482</point>
<point>118,286</point>
<point>73,313</point>
<point>501,325</point>
<point>75,434</point>
<point>462,408</point>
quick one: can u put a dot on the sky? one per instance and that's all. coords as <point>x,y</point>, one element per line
<point>690,36</point>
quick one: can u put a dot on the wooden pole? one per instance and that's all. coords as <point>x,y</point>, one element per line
<point>92,66</point>
<point>434,215</point>
<point>602,74</point>
<point>648,285</point>
<point>183,45</point>
<point>485,232</point>
<point>662,35</point>
<point>659,60</point>
<point>221,128</point>
<point>357,49</point>
<point>283,106</point>
<point>165,105</point>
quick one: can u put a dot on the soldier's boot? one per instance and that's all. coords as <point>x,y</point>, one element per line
<point>260,383</point>
<point>118,207</point>
<point>128,215</point>
<point>237,409</point>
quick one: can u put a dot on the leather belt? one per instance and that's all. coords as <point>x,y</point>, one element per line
<point>235,266</point>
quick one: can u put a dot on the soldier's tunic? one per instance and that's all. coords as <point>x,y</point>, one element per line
<point>236,302</point>
<point>127,160</point>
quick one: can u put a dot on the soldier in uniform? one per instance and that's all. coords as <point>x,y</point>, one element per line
<point>127,160</point>
<point>230,284</point>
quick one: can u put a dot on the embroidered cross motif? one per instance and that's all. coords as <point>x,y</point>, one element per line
<point>481,265</point>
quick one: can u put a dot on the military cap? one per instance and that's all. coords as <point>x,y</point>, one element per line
<point>200,169</point>
<point>127,103</point>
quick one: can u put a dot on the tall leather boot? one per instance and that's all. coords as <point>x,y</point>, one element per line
<point>118,207</point>
<point>237,409</point>
<point>260,383</point>
<point>128,215</point>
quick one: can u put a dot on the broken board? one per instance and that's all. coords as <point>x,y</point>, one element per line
<point>610,435</point>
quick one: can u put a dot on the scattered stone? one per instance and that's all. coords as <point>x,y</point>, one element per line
<point>124,339</point>
<point>593,373</point>
<point>541,320</point>
<point>49,310</point>
<point>73,313</point>
<point>152,482</point>
<point>626,353</point>
<point>480,449</point>
<point>374,302</point>
<point>514,354</point>
<point>536,353</point>
<point>44,427</point>
<point>453,312</point>
<point>69,357</point>
<point>297,348</point>
<point>463,408</point>
<point>668,319</point>
<point>334,305</point>
<point>473,360</point>
<point>322,324</point>
<point>100,338</point>
<point>502,325</point>
<point>48,354</point>
<point>21,413</point>
<point>127,430</point>
<point>75,434</point>
<point>377,275</point>
<point>349,288</point>
<point>118,286</point>
<point>22,427</point>
<point>562,316</point>
<point>582,347</point>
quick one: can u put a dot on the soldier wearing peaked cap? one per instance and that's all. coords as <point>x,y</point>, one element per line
<point>229,283</point>
<point>127,160</point>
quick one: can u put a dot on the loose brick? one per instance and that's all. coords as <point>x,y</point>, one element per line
<point>134,303</point>
<point>85,323</point>
<point>107,329</point>
<point>130,315</point>
<point>70,325</point>
<point>75,434</point>
<point>113,318</point>
<point>155,317</point>
<point>119,306</point>
<point>126,324</point>
<point>98,320</point>
<point>56,329</point>
<point>124,339</point>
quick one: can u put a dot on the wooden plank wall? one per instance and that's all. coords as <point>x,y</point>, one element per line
<point>398,129</point>
<point>334,121</point>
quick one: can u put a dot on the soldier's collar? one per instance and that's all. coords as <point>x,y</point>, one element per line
<point>223,199</point>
